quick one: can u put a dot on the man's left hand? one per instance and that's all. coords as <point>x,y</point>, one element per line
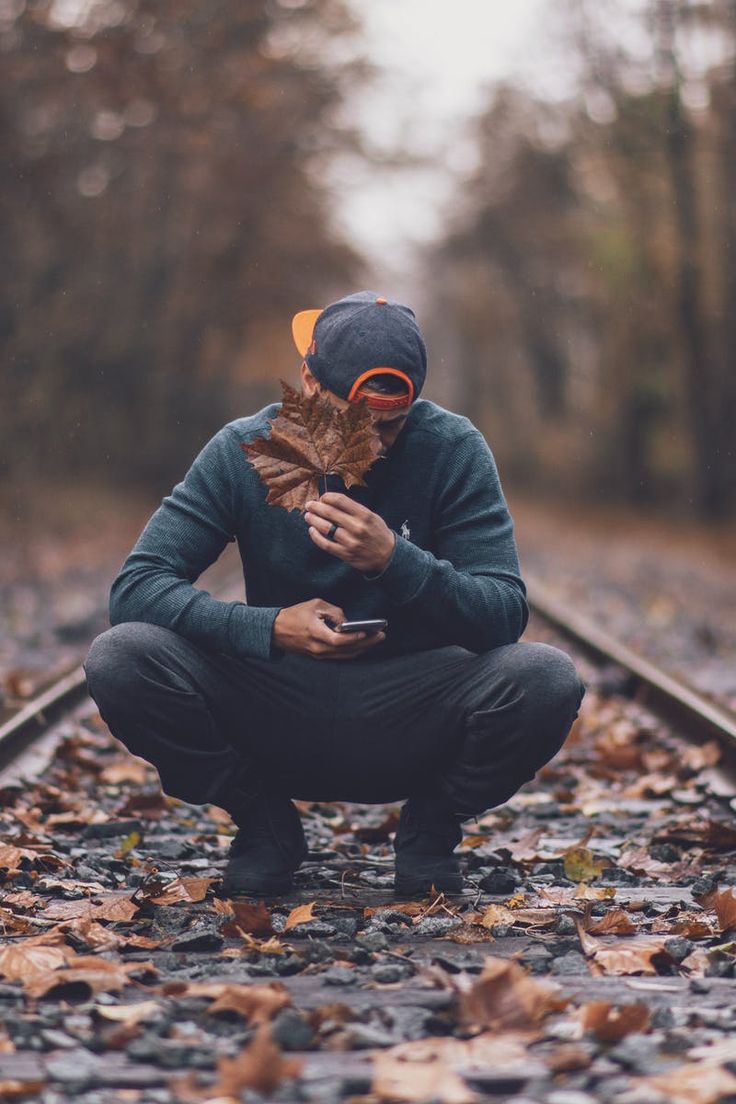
<point>361,539</point>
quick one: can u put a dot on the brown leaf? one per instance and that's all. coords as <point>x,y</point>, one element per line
<point>255,1003</point>
<point>99,975</point>
<point>430,1069</point>
<point>694,1083</point>
<point>142,1012</point>
<point>28,961</point>
<point>309,438</point>
<point>260,1066</point>
<point>723,903</point>
<point>251,919</point>
<point>116,907</point>
<point>505,997</point>
<point>128,768</point>
<point>183,889</point>
<point>609,1024</point>
<point>621,956</point>
<point>302,914</point>
<point>615,922</point>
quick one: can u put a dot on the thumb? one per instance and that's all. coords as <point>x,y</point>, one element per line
<point>327,609</point>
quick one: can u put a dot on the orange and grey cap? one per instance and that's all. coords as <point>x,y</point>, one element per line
<point>360,336</point>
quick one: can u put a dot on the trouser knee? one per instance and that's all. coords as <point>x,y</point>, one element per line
<point>115,658</point>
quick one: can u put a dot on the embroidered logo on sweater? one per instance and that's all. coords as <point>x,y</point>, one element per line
<point>405,530</point>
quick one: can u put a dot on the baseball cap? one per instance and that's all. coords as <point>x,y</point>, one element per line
<point>360,336</point>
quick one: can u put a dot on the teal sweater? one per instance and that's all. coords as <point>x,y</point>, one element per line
<point>453,577</point>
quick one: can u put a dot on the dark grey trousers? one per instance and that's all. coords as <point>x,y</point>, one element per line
<point>472,728</point>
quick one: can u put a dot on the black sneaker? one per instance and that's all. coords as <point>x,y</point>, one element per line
<point>268,847</point>
<point>424,843</point>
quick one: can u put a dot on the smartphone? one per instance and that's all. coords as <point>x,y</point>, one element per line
<point>378,624</point>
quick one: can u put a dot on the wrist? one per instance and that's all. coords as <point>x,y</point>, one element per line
<point>377,568</point>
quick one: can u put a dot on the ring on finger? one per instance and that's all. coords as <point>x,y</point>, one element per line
<point>331,531</point>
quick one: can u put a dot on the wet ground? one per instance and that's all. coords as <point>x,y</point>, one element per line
<point>591,957</point>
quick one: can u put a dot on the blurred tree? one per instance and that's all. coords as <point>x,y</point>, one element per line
<point>161,214</point>
<point>592,269</point>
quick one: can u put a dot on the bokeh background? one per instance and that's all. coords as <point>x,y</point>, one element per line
<point>551,185</point>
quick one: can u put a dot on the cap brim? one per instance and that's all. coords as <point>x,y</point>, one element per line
<point>302,328</point>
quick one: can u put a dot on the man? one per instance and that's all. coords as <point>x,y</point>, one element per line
<point>249,705</point>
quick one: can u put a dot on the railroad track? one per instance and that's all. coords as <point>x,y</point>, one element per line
<point>608,877</point>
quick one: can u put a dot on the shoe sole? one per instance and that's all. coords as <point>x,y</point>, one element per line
<point>420,887</point>
<point>272,888</point>
<point>265,886</point>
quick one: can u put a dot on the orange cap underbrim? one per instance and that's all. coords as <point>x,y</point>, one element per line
<point>302,328</point>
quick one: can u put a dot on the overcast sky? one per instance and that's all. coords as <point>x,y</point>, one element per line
<point>437,58</point>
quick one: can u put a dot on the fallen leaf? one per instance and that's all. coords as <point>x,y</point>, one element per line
<point>260,1066</point>
<point>246,919</point>
<point>28,961</point>
<point>694,1083</point>
<point>183,889</point>
<point>723,903</point>
<point>255,1003</point>
<point>430,1069</point>
<point>581,865</point>
<point>309,438</point>
<point>505,997</point>
<point>117,907</point>
<point>610,1023</point>
<point>302,914</point>
<point>142,1012</point>
<point>614,922</point>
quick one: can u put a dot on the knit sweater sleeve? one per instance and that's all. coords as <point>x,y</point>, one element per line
<point>469,586</point>
<point>184,536</point>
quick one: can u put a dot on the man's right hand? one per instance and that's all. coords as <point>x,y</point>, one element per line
<point>302,629</point>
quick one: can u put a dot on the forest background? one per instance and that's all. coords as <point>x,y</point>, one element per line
<point>170,184</point>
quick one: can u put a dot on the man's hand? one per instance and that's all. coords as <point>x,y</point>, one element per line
<point>302,629</point>
<point>362,538</point>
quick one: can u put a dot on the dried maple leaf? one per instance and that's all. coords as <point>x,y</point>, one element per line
<point>506,998</point>
<point>723,903</point>
<point>609,1024</point>
<point>260,1066</point>
<point>694,1083</point>
<point>309,439</point>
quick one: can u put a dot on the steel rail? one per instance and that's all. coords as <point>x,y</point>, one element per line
<point>671,696</point>
<point>681,701</point>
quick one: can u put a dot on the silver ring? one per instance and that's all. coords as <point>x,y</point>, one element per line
<point>331,531</point>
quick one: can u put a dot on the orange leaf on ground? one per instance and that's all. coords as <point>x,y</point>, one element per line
<point>115,907</point>
<point>302,914</point>
<point>609,1024</point>
<point>694,1083</point>
<point>27,963</point>
<point>255,1003</point>
<point>505,997</point>
<point>614,922</point>
<point>723,903</point>
<point>260,1066</point>
<point>430,1069</point>
<point>183,889</point>
<point>251,919</point>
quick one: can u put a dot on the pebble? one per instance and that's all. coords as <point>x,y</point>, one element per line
<point>339,975</point>
<point>502,880</point>
<point>387,973</point>
<point>291,1031</point>
<point>571,964</point>
<point>374,941</point>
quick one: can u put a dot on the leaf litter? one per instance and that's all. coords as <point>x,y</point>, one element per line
<point>592,882</point>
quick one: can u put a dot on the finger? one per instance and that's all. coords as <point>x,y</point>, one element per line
<point>343,502</point>
<point>334,613</point>
<point>323,526</point>
<point>328,545</point>
<point>335,639</point>
<point>336,511</point>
